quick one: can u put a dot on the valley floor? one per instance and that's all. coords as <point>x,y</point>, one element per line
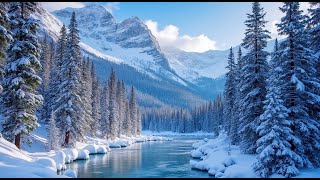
<point>36,161</point>
<point>223,160</point>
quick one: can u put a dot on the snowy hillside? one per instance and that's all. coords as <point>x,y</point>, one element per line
<point>133,51</point>
<point>210,64</point>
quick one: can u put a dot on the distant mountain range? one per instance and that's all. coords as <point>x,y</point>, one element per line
<point>162,77</point>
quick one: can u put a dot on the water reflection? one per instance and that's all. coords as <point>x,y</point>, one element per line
<point>149,159</point>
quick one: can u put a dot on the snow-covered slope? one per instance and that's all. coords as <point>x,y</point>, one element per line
<point>16,164</point>
<point>210,64</point>
<point>193,65</point>
<point>131,49</point>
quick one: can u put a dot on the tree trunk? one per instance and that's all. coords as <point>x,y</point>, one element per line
<point>66,139</point>
<point>17,140</point>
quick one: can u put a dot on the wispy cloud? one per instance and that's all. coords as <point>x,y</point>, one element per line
<point>169,36</point>
<point>112,6</point>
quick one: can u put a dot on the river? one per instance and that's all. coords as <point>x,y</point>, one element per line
<point>147,159</point>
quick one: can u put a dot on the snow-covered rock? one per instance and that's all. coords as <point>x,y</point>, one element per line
<point>60,159</point>
<point>91,148</point>
<point>102,150</point>
<point>72,153</point>
<point>83,154</point>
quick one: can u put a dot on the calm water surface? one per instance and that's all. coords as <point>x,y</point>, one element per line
<point>147,159</point>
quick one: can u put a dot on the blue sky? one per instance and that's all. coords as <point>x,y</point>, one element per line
<point>190,26</point>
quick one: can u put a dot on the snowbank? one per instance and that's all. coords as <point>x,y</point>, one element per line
<point>170,133</point>
<point>16,164</point>
<point>83,154</point>
<point>220,159</point>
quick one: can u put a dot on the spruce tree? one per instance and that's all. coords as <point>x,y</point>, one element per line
<point>253,82</point>
<point>20,98</point>
<point>133,112</point>
<point>299,83</point>
<point>70,110</point>
<point>113,122</point>
<point>229,93</point>
<point>5,37</point>
<point>274,148</point>
<point>95,96</point>
<point>55,80</point>
<point>234,131</point>
<point>104,121</point>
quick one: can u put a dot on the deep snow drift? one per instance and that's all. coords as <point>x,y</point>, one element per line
<point>221,159</point>
<point>16,164</point>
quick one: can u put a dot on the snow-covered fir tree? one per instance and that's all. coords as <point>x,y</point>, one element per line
<point>253,82</point>
<point>133,112</point>
<point>55,80</point>
<point>127,120</point>
<point>229,93</point>
<point>274,148</point>
<point>234,131</point>
<point>70,112</point>
<point>314,30</point>
<point>86,95</point>
<point>96,106</point>
<point>104,121</point>
<point>5,37</point>
<point>20,98</point>
<point>299,83</point>
<point>119,108</point>
<point>138,122</point>
<point>53,133</point>
<point>113,121</point>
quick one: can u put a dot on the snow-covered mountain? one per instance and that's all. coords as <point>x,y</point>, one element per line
<point>136,56</point>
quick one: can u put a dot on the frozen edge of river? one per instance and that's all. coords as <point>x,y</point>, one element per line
<point>220,159</point>
<point>20,163</point>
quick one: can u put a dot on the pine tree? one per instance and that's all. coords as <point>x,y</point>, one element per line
<point>127,121</point>
<point>53,133</point>
<point>234,135</point>
<point>112,106</point>
<point>5,38</point>
<point>104,122</point>
<point>314,23</point>
<point>96,107</point>
<point>314,30</point>
<point>299,83</point>
<point>138,122</point>
<point>229,93</point>
<point>253,82</point>
<point>70,112</point>
<point>20,98</point>
<point>55,76</point>
<point>274,148</point>
<point>121,99</point>
<point>86,96</point>
<point>133,112</point>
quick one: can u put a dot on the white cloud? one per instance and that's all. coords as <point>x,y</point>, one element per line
<point>52,6</point>
<point>169,37</point>
<point>113,6</point>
